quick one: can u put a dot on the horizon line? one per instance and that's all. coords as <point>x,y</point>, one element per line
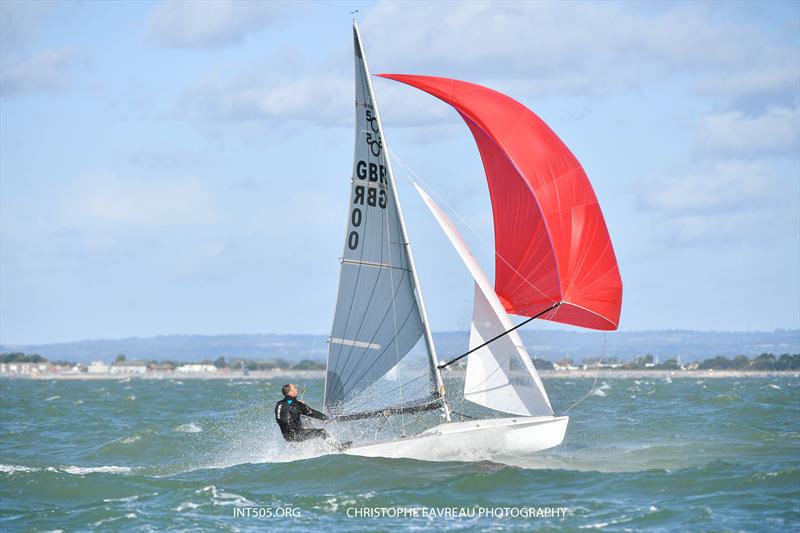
<point>465,331</point>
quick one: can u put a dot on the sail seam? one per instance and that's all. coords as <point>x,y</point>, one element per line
<point>372,264</point>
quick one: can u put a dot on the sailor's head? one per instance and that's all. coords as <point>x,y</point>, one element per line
<point>290,390</point>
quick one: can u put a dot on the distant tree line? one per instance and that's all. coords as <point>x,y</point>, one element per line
<point>19,357</point>
<point>765,361</point>
<point>220,362</point>
<point>266,364</point>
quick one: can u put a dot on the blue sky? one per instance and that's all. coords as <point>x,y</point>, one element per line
<point>179,167</point>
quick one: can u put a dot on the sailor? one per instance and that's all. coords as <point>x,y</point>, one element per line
<point>287,415</point>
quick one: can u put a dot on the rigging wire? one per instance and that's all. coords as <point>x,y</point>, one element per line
<point>596,374</point>
<point>548,310</point>
<point>467,224</point>
<point>409,171</point>
<point>356,406</point>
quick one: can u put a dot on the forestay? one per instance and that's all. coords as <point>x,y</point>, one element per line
<point>377,319</point>
<point>499,375</point>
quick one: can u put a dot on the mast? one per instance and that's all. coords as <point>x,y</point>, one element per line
<point>434,361</point>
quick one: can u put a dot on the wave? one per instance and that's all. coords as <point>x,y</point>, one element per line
<point>13,469</point>
<point>81,470</point>
<point>76,470</point>
<point>188,428</point>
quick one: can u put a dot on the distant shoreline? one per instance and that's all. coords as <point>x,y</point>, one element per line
<point>320,374</point>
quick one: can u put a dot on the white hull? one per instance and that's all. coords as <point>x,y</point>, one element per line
<point>475,440</point>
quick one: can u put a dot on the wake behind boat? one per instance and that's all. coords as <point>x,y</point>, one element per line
<point>554,260</point>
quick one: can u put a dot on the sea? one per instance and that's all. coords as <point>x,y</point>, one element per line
<point>648,454</point>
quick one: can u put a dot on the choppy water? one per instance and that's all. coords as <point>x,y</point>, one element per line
<point>714,454</point>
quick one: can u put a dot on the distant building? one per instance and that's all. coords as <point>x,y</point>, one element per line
<point>26,368</point>
<point>98,367</point>
<point>129,367</point>
<point>194,367</point>
<point>565,364</point>
<point>165,367</point>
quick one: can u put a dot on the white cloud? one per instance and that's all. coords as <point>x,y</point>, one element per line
<point>732,133</point>
<point>727,201</point>
<point>103,201</point>
<point>22,69</point>
<point>324,99</point>
<point>585,47</point>
<point>724,186</point>
<point>211,24</point>
<point>773,71</point>
<point>42,71</point>
<point>527,49</point>
<point>18,22</point>
<point>725,229</point>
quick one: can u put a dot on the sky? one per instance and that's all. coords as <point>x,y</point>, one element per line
<point>183,167</point>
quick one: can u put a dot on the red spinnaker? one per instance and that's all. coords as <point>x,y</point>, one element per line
<point>551,240</point>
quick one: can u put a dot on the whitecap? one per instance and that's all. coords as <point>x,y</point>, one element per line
<point>80,470</point>
<point>605,386</point>
<point>599,393</point>
<point>132,398</point>
<point>227,498</point>
<point>186,505</point>
<point>598,525</point>
<point>131,439</point>
<point>123,500</point>
<point>773,386</point>
<point>51,398</point>
<point>188,428</point>
<point>13,469</point>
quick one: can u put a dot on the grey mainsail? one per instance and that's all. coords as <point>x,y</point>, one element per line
<point>379,317</point>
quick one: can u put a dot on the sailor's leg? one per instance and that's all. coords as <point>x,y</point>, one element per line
<point>311,433</point>
<point>315,433</point>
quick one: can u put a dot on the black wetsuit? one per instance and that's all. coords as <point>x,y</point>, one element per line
<point>287,415</point>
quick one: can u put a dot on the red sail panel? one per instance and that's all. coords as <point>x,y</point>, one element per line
<point>551,239</point>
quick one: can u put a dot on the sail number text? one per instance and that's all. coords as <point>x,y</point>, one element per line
<point>370,190</point>
<point>373,138</point>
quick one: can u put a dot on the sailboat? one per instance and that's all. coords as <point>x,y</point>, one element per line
<point>554,261</point>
